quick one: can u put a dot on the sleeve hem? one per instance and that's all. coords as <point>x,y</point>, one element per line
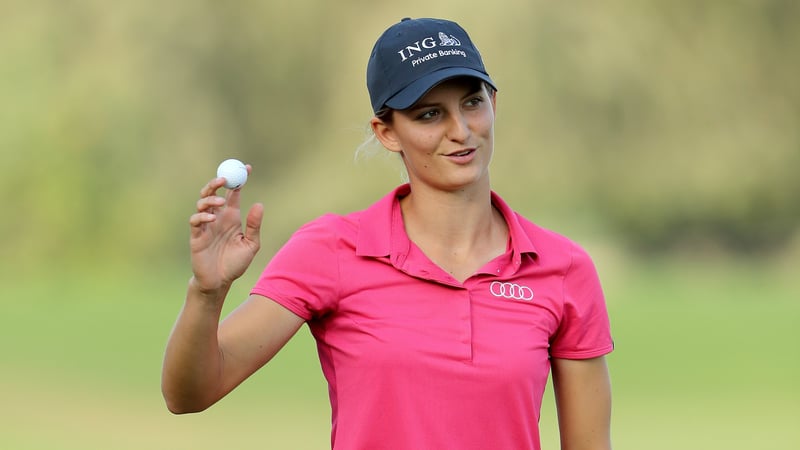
<point>586,354</point>
<point>286,303</point>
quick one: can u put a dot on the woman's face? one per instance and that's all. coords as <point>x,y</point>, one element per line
<point>447,138</point>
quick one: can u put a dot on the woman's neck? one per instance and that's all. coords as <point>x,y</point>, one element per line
<point>459,231</point>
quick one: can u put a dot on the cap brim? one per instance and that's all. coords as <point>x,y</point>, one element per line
<point>416,90</point>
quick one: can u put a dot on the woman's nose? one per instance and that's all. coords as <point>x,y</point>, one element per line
<point>458,130</point>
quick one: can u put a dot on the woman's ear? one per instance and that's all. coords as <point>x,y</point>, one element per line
<point>385,134</point>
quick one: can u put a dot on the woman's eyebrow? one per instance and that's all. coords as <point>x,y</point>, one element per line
<point>423,105</point>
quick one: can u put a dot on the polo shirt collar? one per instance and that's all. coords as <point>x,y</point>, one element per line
<point>383,215</point>
<point>520,240</point>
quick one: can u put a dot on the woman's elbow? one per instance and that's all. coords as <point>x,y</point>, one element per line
<point>183,404</point>
<point>182,407</point>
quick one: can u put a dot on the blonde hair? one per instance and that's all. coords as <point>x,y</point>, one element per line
<point>372,148</point>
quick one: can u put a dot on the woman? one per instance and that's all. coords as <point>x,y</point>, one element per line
<point>438,311</point>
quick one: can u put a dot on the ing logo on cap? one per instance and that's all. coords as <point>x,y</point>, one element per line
<point>427,44</point>
<point>448,41</point>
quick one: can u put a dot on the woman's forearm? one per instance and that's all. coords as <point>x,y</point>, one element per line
<point>192,372</point>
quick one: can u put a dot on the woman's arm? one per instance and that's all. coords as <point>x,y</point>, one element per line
<point>583,399</point>
<point>204,360</point>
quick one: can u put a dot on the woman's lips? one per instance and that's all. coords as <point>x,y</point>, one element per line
<point>461,156</point>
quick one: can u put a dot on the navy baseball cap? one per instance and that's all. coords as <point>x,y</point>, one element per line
<point>414,55</point>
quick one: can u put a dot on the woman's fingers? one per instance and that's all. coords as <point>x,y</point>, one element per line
<point>253,224</point>
<point>201,218</point>
<point>198,221</point>
<point>211,187</point>
<point>207,204</point>
<point>232,198</point>
<point>234,195</point>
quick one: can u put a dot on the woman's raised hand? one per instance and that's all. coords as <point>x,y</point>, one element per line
<point>220,250</point>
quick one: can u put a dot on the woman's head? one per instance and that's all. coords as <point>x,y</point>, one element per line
<point>413,56</point>
<point>446,139</point>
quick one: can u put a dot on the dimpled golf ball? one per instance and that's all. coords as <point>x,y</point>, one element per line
<point>234,172</point>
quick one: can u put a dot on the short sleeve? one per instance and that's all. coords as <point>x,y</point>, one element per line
<point>303,276</point>
<point>584,330</point>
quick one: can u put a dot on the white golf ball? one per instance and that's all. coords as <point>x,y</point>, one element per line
<point>234,172</point>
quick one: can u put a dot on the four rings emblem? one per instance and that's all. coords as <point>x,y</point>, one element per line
<point>511,291</point>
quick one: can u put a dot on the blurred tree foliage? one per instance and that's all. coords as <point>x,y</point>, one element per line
<point>676,122</point>
<point>671,122</point>
<point>711,135</point>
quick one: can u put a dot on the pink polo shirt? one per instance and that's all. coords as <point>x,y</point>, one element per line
<point>417,360</point>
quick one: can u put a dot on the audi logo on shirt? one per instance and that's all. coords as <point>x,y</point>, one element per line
<point>511,291</point>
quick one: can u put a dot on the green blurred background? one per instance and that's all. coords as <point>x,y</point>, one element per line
<point>662,135</point>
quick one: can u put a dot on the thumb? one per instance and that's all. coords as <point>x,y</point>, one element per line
<point>252,230</point>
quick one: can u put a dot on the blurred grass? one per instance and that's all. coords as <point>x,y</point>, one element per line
<point>706,357</point>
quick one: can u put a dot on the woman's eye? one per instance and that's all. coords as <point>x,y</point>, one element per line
<point>427,115</point>
<point>475,101</point>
